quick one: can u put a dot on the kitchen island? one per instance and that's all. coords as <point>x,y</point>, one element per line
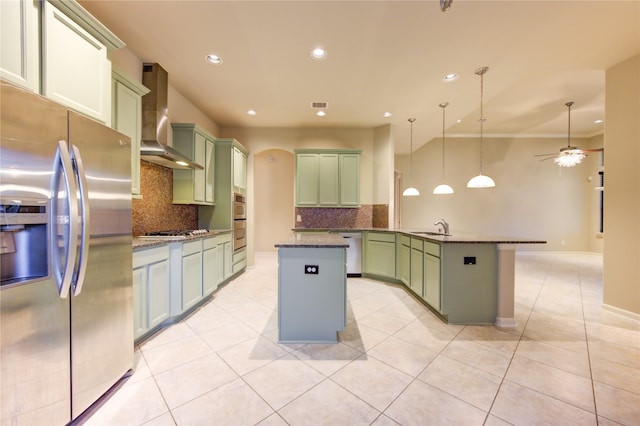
<point>312,288</point>
<point>465,278</point>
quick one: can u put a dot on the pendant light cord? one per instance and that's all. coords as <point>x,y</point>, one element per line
<point>569,104</point>
<point>443,106</point>
<point>411,120</point>
<point>481,72</point>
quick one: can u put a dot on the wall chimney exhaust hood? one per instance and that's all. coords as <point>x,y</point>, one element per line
<point>153,147</point>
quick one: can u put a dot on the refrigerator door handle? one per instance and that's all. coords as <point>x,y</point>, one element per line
<point>64,273</point>
<point>85,215</point>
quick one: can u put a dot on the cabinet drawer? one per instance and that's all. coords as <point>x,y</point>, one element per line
<point>239,255</point>
<point>149,256</point>
<point>209,243</point>
<point>417,244</point>
<point>191,247</point>
<point>224,238</point>
<point>405,240</point>
<point>388,237</point>
<point>432,248</point>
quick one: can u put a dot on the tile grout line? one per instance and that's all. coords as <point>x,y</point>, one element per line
<point>586,337</point>
<point>506,371</point>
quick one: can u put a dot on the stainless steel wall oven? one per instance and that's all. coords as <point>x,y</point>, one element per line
<point>239,221</point>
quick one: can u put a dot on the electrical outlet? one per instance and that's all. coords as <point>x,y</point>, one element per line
<point>298,218</point>
<point>311,269</point>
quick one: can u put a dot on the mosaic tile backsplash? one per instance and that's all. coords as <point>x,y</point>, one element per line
<point>367,216</point>
<point>155,211</point>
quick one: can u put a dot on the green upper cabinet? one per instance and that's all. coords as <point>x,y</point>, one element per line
<point>327,178</point>
<point>194,186</point>
<point>127,118</point>
<point>239,171</point>
<point>57,49</point>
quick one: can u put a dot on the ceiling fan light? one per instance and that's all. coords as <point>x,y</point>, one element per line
<point>443,188</point>
<point>569,159</point>
<point>481,181</point>
<point>410,192</point>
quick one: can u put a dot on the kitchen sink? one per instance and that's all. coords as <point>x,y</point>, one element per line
<point>441,234</point>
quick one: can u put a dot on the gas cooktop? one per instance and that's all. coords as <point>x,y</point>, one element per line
<point>175,234</point>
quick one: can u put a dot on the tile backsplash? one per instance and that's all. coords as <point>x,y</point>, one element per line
<point>155,211</point>
<point>366,216</point>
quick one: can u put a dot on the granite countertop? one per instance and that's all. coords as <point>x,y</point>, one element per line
<point>304,240</point>
<point>147,242</point>
<point>455,236</point>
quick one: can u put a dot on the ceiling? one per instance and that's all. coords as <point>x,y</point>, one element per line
<point>386,56</point>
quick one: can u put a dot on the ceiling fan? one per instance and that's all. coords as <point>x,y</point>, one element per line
<point>568,156</point>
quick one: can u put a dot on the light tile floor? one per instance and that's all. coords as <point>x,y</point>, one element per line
<point>568,361</point>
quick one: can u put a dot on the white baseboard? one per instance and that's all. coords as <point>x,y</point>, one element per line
<point>622,312</point>
<point>505,322</point>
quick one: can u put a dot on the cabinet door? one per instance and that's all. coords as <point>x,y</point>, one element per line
<point>158,292</point>
<point>76,71</point>
<point>432,281</point>
<point>199,150</point>
<point>127,119</point>
<point>306,179</point>
<point>209,270</point>
<point>381,258</point>
<point>350,180</point>
<point>228,260</point>
<point>416,271</point>
<point>219,273</point>
<point>139,302</point>
<point>209,172</point>
<point>191,280</point>
<point>328,180</point>
<point>239,171</point>
<point>404,264</point>
<point>19,53</point>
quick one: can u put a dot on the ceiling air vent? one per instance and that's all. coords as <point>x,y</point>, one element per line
<point>318,105</point>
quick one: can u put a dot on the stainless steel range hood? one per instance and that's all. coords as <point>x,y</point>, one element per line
<point>153,147</point>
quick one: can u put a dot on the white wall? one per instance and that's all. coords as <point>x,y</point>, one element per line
<point>532,198</point>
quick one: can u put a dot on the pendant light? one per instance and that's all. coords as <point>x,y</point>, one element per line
<point>569,156</point>
<point>443,188</point>
<point>411,191</point>
<point>481,181</point>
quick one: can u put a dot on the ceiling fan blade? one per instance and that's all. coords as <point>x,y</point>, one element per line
<point>542,155</point>
<point>548,158</point>
<point>594,150</point>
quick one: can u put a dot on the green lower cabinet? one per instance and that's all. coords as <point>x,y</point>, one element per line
<point>404,260</point>
<point>432,281</point>
<point>380,254</point>
<point>191,274</point>
<point>417,267</point>
<point>209,266</point>
<point>151,289</point>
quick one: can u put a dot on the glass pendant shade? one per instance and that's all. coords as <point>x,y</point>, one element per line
<point>443,188</point>
<point>411,191</point>
<point>481,181</point>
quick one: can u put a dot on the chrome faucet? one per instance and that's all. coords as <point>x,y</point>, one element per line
<point>444,225</point>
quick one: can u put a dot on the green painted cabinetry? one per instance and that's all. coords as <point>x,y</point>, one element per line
<point>126,117</point>
<point>191,274</point>
<point>151,289</point>
<point>403,259</point>
<point>431,285</point>
<point>194,186</point>
<point>230,176</point>
<point>210,277</point>
<point>380,254</point>
<point>327,178</point>
<point>417,266</point>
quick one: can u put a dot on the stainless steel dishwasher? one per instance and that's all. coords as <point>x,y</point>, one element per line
<point>354,253</point>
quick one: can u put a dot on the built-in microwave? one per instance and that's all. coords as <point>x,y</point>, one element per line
<point>239,206</point>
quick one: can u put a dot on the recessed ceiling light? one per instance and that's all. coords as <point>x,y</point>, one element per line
<point>251,112</point>
<point>386,114</point>
<point>214,59</point>
<point>449,78</point>
<point>321,113</point>
<point>599,121</point>
<point>318,53</point>
<point>459,120</point>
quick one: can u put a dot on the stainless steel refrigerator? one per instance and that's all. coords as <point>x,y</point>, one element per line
<point>66,325</point>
